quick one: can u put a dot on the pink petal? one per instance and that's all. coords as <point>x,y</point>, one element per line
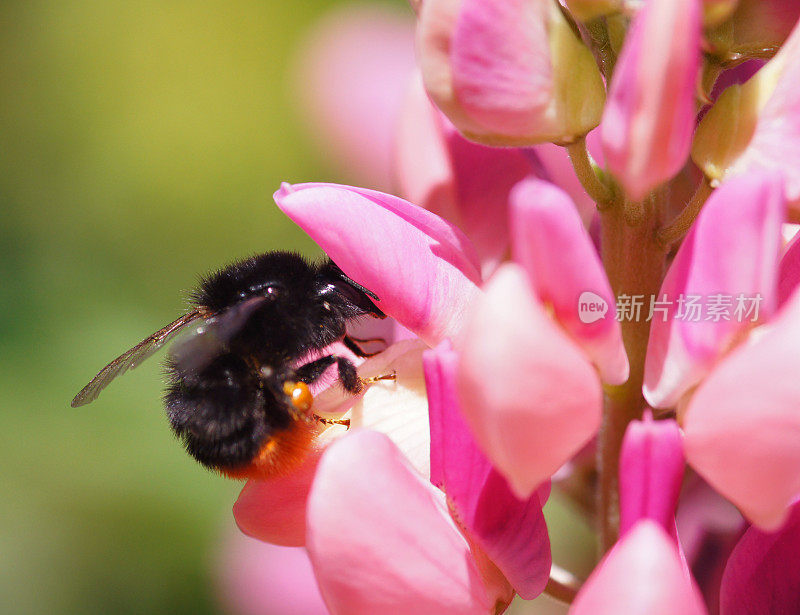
<point>762,575</point>
<point>651,469</point>
<point>499,70</point>
<point>650,115</point>
<point>641,575</point>
<point>463,182</point>
<point>731,251</point>
<point>529,394</point>
<point>789,273</point>
<point>742,426</point>
<point>256,578</point>
<point>552,244</point>
<point>275,510</point>
<point>381,540</point>
<point>352,99</point>
<point>511,532</point>
<point>423,269</point>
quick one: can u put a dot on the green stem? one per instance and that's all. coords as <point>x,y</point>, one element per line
<point>635,266</point>
<point>587,172</point>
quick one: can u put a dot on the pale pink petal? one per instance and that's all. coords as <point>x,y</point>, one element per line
<point>762,576</point>
<point>461,181</point>
<point>731,251</point>
<point>529,394</point>
<point>551,243</point>
<point>742,426</point>
<point>350,76</point>
<point>789,274</point>
<point>641,575</point>
<point>256,578</point>
<point>423,269</point>
<point>511,532</point>
<point>381,539</point>
<point>275,510</point>
<point>509,72</point>
<point>650,115</point>
<point>651,468</point>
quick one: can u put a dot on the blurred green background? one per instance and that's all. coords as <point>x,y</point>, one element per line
<point>140,143</point>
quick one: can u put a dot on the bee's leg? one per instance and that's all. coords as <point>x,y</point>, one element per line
<point>325,421</point>
<point>348,375</point>
<point>310,372</point>
<point>353,347</point>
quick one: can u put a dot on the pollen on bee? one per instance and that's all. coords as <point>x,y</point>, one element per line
<point>300,395</point>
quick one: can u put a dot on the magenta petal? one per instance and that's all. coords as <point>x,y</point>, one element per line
<point>641,575</point>
<point>650,114</point>
<point>275,510</point>
<point>732,251</point>
<point>512,532</point>
<point>789,273</point>
<point>529,394</point>
<point>381,539</point>
<point>742,426</point>
<point>762,576</point>
<point>651,469</point>
<point>423,269</point>
<point>550,241</point>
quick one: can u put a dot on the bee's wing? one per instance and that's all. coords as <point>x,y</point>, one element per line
<point>194,352</point>
<point>132,358</point>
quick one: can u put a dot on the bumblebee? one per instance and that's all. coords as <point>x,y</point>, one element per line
<point>237,394</point>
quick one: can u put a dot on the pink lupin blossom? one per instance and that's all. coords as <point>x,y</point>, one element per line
<point>539,82</point>
<point>529,393</point>
<point>649,118</point>
<point>644,573</point>
<point>483,503</point>
<point>463,182</point>
<point>733,250</point>
<point>544,221</point>
<point>371,516</point>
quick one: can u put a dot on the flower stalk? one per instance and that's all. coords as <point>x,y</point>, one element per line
<point>635,266</point>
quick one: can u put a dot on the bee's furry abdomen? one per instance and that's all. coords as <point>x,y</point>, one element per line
<point>222,415</point>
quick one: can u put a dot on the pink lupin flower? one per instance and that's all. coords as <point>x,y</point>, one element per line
<point>650,114</point>
<point>755,126</point>
<point>508,71</point>
<point>527,383</point>
<point>643,573</point>
<point>372,517</point>
<point>511,531</point>
<point>463,182</point>
<point>731,250</point>
<point>737,394</point>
